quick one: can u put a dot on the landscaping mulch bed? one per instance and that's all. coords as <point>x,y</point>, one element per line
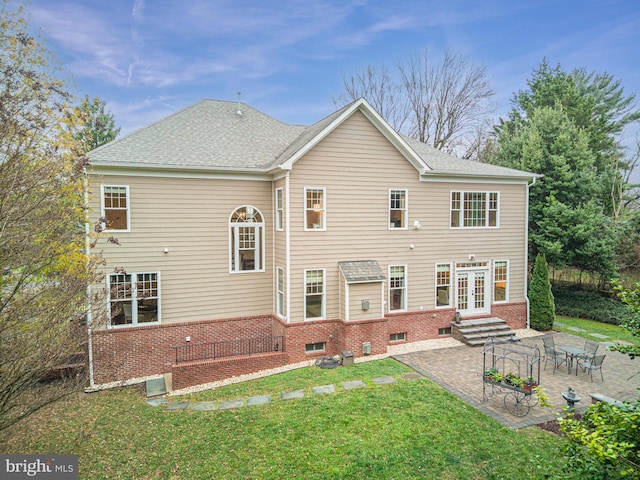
<point>553,426</point>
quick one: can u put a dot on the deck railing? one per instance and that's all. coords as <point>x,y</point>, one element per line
<point>230,348</point>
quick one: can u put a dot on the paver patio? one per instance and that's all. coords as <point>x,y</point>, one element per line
<point>459,370</point>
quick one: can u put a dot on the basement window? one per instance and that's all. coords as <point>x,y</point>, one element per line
<point>398,337</point>
<point>315,347</point>
<point>444,331</point>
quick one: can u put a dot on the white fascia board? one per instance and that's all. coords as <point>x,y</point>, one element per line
<point>473,178</point>
<point>177,173</point>
<point>377,121</point>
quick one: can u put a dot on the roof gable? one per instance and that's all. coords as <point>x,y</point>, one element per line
<point>320,130</point>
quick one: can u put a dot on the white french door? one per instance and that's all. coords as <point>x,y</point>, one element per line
<point>471,292</point>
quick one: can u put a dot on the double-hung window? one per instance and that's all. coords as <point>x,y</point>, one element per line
<point>246,240</point>
<point>280,293</point>
<point>314,213</point>
<point>314,294</point>
<point>398,209</point>
<point>115,208</point>
<point>279,210</point>
<point>443,285</point>
<point>134,298</point>
<point>474,209</point>
<point>397,288</point>
<point>500,281</point>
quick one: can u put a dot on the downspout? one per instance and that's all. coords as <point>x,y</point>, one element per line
<point>87,250</point>
<point>288,248</point>
<point>526,252</point>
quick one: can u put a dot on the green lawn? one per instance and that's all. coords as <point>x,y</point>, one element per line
<point>411,429</point>
<point>613,332</point>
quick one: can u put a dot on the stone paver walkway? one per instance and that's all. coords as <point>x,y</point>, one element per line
<point>284,396</point>
<point>459,370</point>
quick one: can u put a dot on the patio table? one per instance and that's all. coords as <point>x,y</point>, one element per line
<point>572,352</point>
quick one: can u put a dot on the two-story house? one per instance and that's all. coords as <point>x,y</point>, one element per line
<point>245,244</point>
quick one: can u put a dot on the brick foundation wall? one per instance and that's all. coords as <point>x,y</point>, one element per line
<point>421,325</point>
<point>515,314</point>
<point>195,373</point>
<point>126,353</point>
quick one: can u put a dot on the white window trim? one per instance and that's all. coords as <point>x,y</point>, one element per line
<point>323,227</point>
<point>404,289</point>
<point>234,243</point>
<point>451,289</point>
<point>324,293</point>
<point>461,210</point>
<point>102,208</point>
<point>493,284</point>
<point>279,210</point>
<point>134,300</point>
<point>405,220</point>
<point>279,273</point>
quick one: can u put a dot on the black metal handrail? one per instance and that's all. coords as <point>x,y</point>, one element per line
<point>230,348</point>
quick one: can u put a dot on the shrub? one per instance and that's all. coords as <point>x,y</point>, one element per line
<point>542,310</point>
<point>589,304</point>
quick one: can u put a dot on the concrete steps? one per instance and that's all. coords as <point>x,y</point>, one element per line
<point>475,332</point>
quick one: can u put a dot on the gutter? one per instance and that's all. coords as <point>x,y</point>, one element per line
<point>87,250</point>
<point>526,251</point>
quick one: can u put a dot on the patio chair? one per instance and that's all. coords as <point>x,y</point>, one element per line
<point>591,364</point>
<point>590,347</point>
<point>550,353</point>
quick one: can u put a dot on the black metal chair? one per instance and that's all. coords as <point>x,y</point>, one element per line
<point>550,353</point>
<point>591,364</point>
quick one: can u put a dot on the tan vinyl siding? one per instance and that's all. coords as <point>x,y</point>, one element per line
<point>359,292</point>
<point>358,167</point>
<point>189,217</point>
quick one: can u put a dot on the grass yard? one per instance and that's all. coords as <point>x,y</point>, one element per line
<point>613,332</point>
<point>411,429</point>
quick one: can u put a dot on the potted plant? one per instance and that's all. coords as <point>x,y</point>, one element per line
<point>514,380</point>
<point>493,375</point>
<point>530,383</point>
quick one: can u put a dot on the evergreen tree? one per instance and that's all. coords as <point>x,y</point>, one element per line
<point>97,127</point>
<point>566,127</point>
<point>542,308</point>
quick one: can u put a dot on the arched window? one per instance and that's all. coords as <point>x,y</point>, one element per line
<point>246,240</point>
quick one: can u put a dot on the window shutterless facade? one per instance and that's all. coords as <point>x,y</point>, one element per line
<point>314,299</point>
<point>315,208</point>
<point>279,209</point>
<point>280,293</point>
<point>501,281</point>
<point>246,240</point>
<point>475,209</point>
<point>115,208</point>
<point>397,288</point>
<point>398,209</point>
<point>133,298</point>
<point>443,285</point>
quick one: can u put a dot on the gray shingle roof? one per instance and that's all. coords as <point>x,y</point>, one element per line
<point>211,135</point>
<point>362,271</point>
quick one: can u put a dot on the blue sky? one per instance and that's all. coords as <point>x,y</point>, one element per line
<point>149,58</point>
